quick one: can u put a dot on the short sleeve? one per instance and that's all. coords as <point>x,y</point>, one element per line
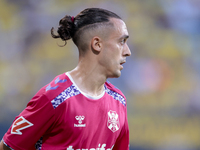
<point>31,124</point>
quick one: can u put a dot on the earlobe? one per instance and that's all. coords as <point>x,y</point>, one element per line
<point>96,44</point>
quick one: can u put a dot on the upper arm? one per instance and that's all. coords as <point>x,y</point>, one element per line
<point>3,146</point>
<point>31,123</point>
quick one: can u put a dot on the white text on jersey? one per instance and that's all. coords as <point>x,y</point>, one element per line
<point>100,147</point>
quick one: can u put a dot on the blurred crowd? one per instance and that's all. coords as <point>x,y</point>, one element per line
<point>161,78</point>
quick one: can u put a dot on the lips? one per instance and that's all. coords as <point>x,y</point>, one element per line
<point>122,64</point>
<point>124,61</point>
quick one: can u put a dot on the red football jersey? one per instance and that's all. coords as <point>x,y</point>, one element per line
<point>62,117</point>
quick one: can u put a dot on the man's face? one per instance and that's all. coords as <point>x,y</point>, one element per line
<point>115,49</point>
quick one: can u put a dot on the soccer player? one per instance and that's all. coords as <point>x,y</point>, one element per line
<point>79,109</point>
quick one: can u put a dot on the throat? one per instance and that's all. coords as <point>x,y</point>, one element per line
<point>87,87</point>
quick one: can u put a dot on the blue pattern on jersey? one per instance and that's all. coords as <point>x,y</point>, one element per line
<point>57,80</point>
<point>38,145</point>
<point>116,96</point>
<point>69,92</point>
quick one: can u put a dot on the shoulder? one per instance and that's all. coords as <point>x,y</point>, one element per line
<point>55,87</point>
<point>115,93</point>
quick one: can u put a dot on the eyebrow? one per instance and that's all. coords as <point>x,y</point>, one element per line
<point>125,37</point>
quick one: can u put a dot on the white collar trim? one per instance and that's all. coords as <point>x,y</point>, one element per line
<point>85,94</point>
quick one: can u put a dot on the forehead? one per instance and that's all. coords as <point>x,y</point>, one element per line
<point>120,28</point>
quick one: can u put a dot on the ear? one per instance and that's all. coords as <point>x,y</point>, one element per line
<point>96,44</point>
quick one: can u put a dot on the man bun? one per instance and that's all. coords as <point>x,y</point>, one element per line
<point>65,30</point>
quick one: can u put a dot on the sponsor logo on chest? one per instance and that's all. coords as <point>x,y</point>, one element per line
<point>112,122</point>
<point>80,121</point>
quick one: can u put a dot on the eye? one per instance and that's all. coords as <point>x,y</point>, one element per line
<point>123,41</point>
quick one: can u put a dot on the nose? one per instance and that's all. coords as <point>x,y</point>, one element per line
<point>126,51</point>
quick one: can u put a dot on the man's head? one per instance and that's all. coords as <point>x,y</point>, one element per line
<point>87,23</point>
<point>114,48</point>
<point>101,32</point>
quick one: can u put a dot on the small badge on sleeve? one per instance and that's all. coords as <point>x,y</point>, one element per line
<point>20,124</point>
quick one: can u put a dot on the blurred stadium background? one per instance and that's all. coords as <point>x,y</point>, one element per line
<point>161,79</point>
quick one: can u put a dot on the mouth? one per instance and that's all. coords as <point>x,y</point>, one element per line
<point>124,61</point>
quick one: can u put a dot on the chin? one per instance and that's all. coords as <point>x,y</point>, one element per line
<point>116,74</point>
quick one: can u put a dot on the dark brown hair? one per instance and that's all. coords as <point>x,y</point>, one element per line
<point>69,26</point>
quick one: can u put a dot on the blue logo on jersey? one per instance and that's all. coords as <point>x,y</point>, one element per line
<point>49,87</point>
<point>60,81</point>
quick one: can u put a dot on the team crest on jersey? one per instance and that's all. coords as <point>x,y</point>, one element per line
<point>113,121</point>
<point>20,124</point>
<point>80,121</point>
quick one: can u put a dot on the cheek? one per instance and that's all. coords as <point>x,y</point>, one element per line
<point>116,50</point>
<point>112,54</point>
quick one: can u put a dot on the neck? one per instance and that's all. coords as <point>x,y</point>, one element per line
<point>88,77</point>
